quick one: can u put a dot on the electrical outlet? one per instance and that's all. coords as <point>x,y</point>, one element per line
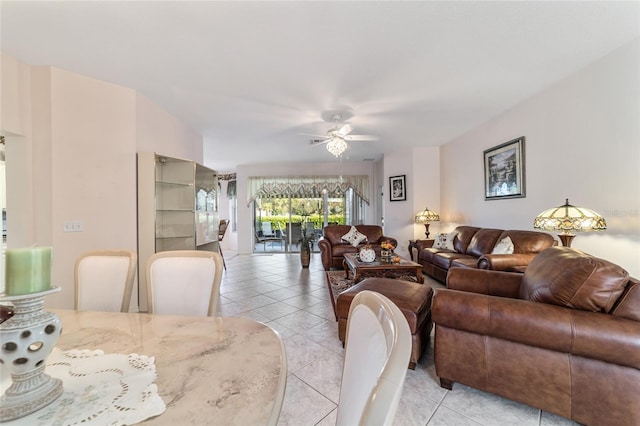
<point>73,226</point>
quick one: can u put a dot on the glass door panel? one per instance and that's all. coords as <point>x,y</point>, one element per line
<point>270,218</point>
<point>306,217</point>
<point>280,222</point>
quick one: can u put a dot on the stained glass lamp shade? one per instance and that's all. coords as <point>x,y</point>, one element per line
<point>568,220</point>
<point>425,217</point>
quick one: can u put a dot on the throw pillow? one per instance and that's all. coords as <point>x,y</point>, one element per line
<point>450,237</point>
<point>504,246</point>
<point>440,241</point>
<point>354,237</point>
<point>445,241</point>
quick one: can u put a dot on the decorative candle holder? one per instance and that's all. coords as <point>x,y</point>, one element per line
<point>27,340</point>
<point>386,254</point>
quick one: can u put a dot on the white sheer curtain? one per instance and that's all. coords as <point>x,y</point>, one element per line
<point>306,186</point>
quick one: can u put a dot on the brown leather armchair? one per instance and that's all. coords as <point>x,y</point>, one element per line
<point>563,337</point>
<point>332,248</point>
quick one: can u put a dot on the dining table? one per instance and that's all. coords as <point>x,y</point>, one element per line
<point>210,370</point>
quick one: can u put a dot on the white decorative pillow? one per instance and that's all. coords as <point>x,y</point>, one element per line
<point>445,241</point>
<point>504,246</point>
<point>354,237</point>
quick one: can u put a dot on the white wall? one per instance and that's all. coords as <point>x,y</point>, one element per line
<point>71,145</point>
<point>160,132</point>
<point>425,187</point>
<point>92,174</point>
<point>245,225</point>
<point>582,143</point>
<point>421,169</point>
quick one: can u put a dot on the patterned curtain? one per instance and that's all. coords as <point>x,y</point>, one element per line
<point>231,189</point>
<point>306,186</point>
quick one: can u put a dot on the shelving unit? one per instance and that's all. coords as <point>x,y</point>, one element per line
<point>177,209</point>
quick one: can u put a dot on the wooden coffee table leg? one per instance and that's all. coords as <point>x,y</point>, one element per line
<point>420,276</point>
<point>345,266</point>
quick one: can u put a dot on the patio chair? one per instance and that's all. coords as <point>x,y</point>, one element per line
<point>266,229</point>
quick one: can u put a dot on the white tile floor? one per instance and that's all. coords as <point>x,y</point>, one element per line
<point>274,289</point>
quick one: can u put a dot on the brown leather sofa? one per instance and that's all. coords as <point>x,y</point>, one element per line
<point>473,247</point>
<point>332,248</point>
<point>563,337</point>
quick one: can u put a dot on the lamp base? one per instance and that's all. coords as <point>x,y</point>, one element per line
<point>566,239</point>
<point>426,230</point>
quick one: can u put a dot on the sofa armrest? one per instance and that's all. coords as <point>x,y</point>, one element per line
<point>392,240</point>
<point>503,262</point>
<point>323,242</point>
<point>422,244</point>
<point>326,252</point>
<point>588,334</point>
<point>493,283</point>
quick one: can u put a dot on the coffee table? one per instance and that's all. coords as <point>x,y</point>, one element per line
<point>381,268</point>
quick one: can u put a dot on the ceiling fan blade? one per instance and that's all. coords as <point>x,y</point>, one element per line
<point>361,138</point>
<point>319,142</point>
<point>345,130</point>
<point>315,136</point>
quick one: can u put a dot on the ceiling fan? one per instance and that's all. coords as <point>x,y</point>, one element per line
<point>336,138</point>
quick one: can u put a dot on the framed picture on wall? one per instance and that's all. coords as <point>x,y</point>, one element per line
<point>397,188</point>
<point>504,173</point>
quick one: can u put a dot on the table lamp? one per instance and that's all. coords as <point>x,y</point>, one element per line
<point>425,217</point>
<point>568,220</point>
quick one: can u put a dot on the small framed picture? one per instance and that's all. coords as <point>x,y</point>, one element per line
<point>504,170</point>
<point>397,188</point>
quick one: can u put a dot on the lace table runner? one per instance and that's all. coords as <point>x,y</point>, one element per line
<point>99,389</point>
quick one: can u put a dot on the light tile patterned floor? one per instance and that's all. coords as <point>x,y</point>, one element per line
<point>274,289</point>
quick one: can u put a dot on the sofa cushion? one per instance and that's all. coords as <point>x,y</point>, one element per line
<point>483,242</point>
<point>354,237</point>
<point>444,259</point>
<point>426,254</point>
<point>628,305</point>
<point>465,262</point>
<point>567,277</point>
<point>504,246</point>
<point>339,250</point>
<point>529,241</point>
<point>464,234</point>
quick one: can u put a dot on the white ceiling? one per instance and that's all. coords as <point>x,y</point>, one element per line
<point>252,76</point>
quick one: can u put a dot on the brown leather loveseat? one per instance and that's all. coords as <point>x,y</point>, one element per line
<point>472,247</point>
<point>333,248</point>
<point>563,337</point>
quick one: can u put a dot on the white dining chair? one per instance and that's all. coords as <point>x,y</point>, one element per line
<point>377,351</point>
<point>184,282</point>
<point>104,280</point>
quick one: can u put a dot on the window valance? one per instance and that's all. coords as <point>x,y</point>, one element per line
<point>306,186</point>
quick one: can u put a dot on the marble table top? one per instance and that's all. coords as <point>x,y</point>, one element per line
<point>211,370</point>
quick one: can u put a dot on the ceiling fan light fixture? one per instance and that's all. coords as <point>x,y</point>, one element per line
<point>337,146</point>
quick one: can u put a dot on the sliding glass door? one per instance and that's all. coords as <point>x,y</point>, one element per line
<point>287,206</point>
<point>279,222</point>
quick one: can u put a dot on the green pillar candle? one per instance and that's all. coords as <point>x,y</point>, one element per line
<point>28,270</point>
